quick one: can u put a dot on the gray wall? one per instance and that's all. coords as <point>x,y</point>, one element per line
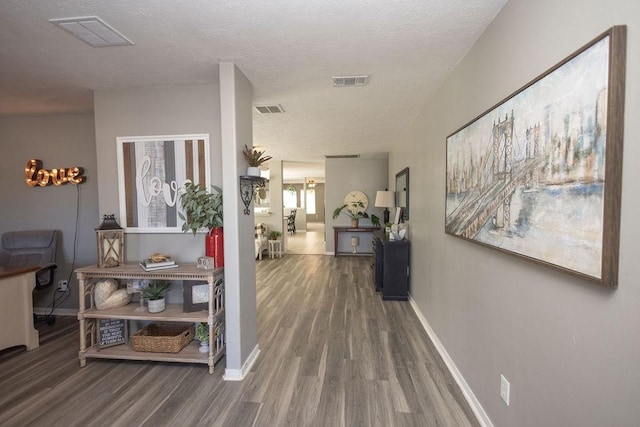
<point>155,111</point>
<point>343,176</point>
<point>59,141</point>
<point>236,94</point>
<point>569,348</point>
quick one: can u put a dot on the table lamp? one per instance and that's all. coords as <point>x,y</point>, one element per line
<point>385,199</point>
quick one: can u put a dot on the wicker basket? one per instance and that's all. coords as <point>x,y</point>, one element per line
<point>162,337</point>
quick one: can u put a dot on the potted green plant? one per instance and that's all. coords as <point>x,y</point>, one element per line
<point>274,235</point>
<point>255,158</point>
<point>203,211</point>
<point>354,210</point>
<point>155,293</point>
<point>202,335</point>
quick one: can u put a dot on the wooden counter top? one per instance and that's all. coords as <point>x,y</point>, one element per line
<point>9,271</point>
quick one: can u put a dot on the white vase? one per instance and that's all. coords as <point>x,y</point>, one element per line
<point>253,171</point>
<point>156,305</point>
<point>204,347</point>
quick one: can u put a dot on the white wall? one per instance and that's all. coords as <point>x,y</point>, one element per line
<point>64,140</point>
<point>569,348</point>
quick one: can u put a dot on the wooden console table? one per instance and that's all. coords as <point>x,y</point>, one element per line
<point>214,316</point>
<point>16,307</point>
<point>337,229</point>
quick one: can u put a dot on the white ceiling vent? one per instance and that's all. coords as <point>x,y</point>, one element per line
<point>346,81</point>
<point>269,109</point>
<point>93,31</point>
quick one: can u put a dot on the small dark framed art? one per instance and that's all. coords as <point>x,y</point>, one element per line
<point>195,296</point>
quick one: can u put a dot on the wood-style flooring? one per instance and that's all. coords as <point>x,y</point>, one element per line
<point>332,354</point>
<point>307,242</point>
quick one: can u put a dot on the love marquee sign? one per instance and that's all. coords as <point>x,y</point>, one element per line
<point>36,175</point>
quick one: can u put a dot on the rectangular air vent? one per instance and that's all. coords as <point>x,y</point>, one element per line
<point>346,81</point>
<point>342,156</point>
<point>269,109</point>
<point>93,31</point>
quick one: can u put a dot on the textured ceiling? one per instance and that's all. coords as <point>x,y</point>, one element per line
<point>288,49</point>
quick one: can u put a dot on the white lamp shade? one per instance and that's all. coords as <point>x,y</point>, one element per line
<point>384,199</point>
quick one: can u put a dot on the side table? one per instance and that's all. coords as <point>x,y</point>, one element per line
<point>275,248</point>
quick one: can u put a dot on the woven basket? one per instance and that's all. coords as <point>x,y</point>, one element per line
<point>162,337</point>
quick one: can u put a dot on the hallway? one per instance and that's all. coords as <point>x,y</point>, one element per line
<point>307,242</point>
<point>332,354</point>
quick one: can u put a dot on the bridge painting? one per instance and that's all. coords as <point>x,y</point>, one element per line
<point>528,176</point>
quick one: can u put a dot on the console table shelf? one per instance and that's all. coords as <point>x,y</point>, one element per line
<point>89,316</point>
<point>337,229</point>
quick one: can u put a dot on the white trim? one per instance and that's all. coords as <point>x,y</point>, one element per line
<point>239,374</point>
<point>71,312</point>
<point>475,405</point>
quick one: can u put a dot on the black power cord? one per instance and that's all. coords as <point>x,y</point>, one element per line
<point>60,297</point>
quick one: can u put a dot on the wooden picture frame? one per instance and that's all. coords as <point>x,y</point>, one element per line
<point>151,172</point>
<point>195,296</point>
<point>539,174</point>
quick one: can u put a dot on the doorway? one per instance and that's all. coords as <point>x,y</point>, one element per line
<point>303,190</point>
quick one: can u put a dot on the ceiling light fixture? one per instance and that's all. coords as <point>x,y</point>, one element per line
<point>346,81</point>
<point>93,31</point>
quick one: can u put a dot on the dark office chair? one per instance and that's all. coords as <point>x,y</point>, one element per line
<point>32,248</point>
<point>291,221</point>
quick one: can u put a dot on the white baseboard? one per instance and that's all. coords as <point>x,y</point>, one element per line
<point>239,374</point>
<point>71,312</point>
<point>476,407</point>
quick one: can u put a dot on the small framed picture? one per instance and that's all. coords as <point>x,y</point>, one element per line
<point>398,215</point>
<point>195,296</point>
<point>112,332</point>
<point>136,285</point>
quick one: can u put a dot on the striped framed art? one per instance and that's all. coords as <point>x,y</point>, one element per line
<point>151,172</point>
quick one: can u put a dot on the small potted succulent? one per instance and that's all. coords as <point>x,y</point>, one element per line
<point>155,293</point>
<point>255,158</point>
<point>274,235</point>
<point>202,335</point>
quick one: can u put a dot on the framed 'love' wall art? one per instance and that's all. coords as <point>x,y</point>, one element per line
<point>151,172</point>
<point>539,175</point>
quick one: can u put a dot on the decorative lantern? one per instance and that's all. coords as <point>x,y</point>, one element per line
<point>110,242</point>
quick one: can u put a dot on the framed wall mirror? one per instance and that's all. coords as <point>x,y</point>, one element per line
<point>402,192</point>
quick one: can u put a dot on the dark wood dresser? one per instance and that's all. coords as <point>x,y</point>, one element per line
<point>391,270</point>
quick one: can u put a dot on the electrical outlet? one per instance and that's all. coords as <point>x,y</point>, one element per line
<point>62,285</point>
<point>504,389</point>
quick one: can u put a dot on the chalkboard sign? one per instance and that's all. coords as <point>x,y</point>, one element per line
<point>111,332</point>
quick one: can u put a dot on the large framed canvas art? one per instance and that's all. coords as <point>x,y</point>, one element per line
<point>151,172</point>
<point>539,174</point>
